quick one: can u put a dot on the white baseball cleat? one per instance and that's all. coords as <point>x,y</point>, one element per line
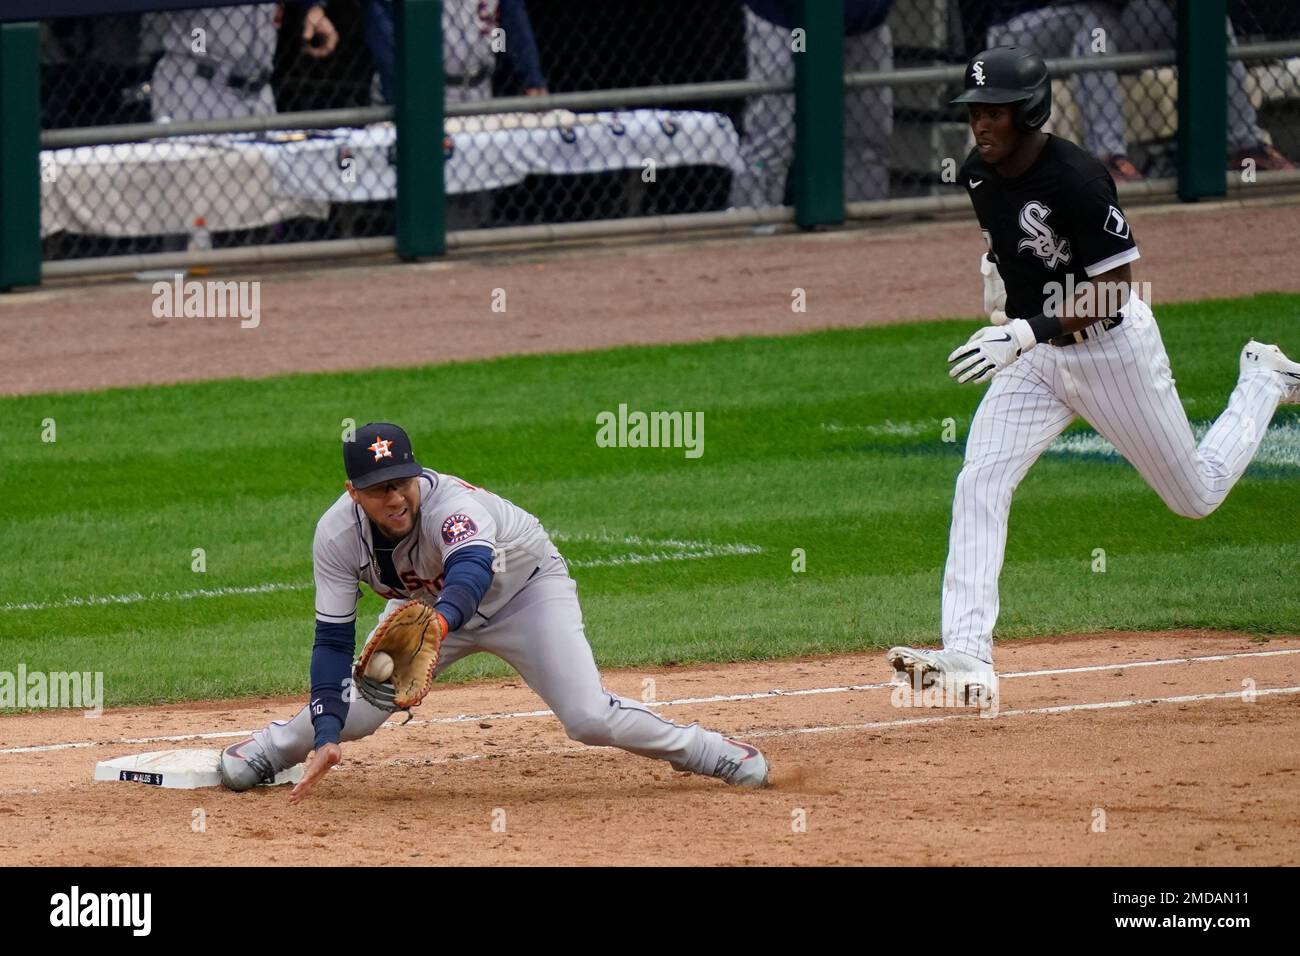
<point>744,766</point>
<point>964,678</point>
<point>1259,355</point>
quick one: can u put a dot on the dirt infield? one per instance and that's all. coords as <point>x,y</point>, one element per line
<point>1112,748</point>
<point>105,333</point>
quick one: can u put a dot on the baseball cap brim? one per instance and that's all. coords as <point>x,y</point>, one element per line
<point>992,95</point>
<point>407,469</point>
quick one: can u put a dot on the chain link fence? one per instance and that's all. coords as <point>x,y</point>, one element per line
<point>206,190</point>
<point>896,139</point>
<point>1129,119</point>
<point>654,154</point>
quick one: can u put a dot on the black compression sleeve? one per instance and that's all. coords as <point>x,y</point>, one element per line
<point>1045,327</point>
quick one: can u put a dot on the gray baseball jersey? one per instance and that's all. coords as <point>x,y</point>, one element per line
<point>529,617</point>
<point>453,515</point>
<point>228,41</point>
<point>238,39</point>
<point>467,27</point>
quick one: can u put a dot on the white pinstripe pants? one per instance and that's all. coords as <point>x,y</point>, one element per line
<point>1120,383</point>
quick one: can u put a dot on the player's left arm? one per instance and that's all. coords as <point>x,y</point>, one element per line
<point>466,535</point>
<point>1102,245</point>
<point>1117,284</point>
<point>466,577</point>
<point>467,574</point>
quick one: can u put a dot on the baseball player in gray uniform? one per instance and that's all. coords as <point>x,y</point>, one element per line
<point>489,569</point>
<point>217,61</point>
<point>767,147</point>
<point>1052,221</point>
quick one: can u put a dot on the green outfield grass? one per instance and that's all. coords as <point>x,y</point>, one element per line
<point>830,442</point>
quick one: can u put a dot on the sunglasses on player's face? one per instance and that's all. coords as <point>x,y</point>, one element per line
<point>381,491</point>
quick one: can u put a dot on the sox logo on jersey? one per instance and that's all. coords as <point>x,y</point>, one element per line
<point>1042,240</point>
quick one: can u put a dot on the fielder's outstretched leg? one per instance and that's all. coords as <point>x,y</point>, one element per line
<point>540,634</point>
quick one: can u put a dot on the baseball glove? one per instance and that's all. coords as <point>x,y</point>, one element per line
<point>412,636</point>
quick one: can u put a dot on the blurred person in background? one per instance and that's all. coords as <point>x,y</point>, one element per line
<point>467,49</point>
<point>217,61</point>
<point>1068,30</point>
<point>767,146</point>
<point>93,71</point>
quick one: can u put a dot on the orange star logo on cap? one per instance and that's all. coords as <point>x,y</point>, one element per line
<point>380,448</point>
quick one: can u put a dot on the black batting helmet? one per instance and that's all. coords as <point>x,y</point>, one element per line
<point>1010,74</point>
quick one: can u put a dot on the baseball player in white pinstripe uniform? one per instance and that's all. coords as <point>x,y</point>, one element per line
<point>1052,222</point>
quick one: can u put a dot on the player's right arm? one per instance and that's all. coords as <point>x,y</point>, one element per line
<point>995,291</point>
<point>972,176</point>
<point>331,655</point>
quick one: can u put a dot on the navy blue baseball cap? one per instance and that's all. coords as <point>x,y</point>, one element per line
<point>379,452</point>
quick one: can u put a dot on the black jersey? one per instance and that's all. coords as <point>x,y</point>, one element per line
<point>1059,218</point>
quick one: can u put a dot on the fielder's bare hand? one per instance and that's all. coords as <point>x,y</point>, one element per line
<point>321,761</point>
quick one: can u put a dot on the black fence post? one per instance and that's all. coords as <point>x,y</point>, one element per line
<point>20,155</point>
<point>819,115</point>
<point>1202,99</point>
<point>421,190</point>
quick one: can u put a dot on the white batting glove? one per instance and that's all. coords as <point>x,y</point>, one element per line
<point>990,350</point>
<point>995,292</point>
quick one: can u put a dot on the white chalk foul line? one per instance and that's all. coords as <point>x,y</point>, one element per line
<point>1057,709</point>
<point>670,549</point>
<point>135,597</point>
<point>655,557</point>
<point>846,688</point>
<point>1152,663</point>
<point>675,702</point>
<point>868,725</point>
